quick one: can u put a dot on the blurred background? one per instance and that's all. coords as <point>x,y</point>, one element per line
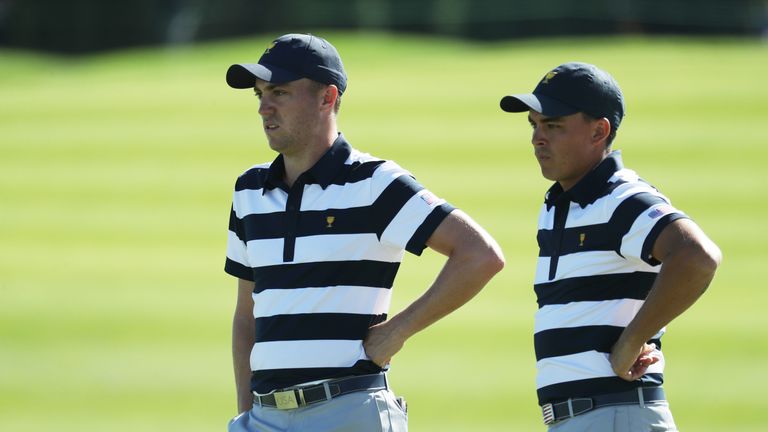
<point>81,26</point>
<point>120,144</point>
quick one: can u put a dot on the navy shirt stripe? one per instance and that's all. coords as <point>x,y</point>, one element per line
<point>391,200</point>
<point>647,253</point>
<point>238,270</point>
<point>327,273</point>
<point>282,378</point>
<point>315,326</point>
<point>595,386</point>
<point>573,340</point>
<point>418,242</point>
<point>595,288</point>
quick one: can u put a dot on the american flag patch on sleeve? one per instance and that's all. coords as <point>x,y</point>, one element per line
<point>429,198</point>
<point>661,210</point>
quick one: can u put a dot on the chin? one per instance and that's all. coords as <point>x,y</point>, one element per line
<point>274,145</point>
<point>547,175</point>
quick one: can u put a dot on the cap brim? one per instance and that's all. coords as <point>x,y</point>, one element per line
<point>539,103</point>
<point>242,76</point>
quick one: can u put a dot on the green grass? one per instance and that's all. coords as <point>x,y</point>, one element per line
<point>115,182</point>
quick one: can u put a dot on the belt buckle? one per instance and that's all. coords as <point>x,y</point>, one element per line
<point>548,413</point>
<point>286,400</point>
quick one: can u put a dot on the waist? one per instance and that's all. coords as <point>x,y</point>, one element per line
<point>303,395</point>
<point>567,375</point>
<point>563,409</point>
<point>265,381</point>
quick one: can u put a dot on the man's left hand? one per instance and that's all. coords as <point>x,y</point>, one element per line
<point>382,343</point>
<point>629,364</point>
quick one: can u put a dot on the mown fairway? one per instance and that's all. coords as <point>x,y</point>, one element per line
<point>115,182</point>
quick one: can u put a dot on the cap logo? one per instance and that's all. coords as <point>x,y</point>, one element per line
<point>548,77</point>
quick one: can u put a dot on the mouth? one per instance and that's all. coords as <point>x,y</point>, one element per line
<point>270,123</point>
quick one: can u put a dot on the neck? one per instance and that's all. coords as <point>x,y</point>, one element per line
<point>300,162</point>
<point>569,183</point>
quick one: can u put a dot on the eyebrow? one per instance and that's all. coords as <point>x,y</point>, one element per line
<point>547,119</point>
<point>267,87</point>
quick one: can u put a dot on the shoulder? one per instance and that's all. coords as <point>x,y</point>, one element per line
<point>627,184</point>
<point>253,178</point>
<point>374,167</point>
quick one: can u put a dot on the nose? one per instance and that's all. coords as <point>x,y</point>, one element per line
<point>265,107</point>
<point>537,137</point>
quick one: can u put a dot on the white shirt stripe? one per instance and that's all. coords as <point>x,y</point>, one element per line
<point>306,354</point>
<point>349,195</point>
<point>248,201</point>
<point>336,299</point>
<point>589,264</point>
<point>321,248</point>
<point>585,365</point>
<point>587,313</point>
<point>236,250</point>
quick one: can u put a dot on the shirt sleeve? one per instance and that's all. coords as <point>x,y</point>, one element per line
<point>654,216</point>
<point>407,213</point>
<point>236,263</point>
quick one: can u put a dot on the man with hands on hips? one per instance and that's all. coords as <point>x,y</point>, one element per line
<point>617,262</point>
<point>315,239</point>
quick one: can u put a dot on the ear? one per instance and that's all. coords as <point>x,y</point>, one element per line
<point>601,130</point>
<point>330,94</point>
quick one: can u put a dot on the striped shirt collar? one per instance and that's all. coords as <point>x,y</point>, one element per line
<point>323,172</point>
<point>591,187</point>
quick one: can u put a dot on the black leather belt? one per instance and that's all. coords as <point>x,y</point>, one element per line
<point>295,397</point>
<point>554,412</point>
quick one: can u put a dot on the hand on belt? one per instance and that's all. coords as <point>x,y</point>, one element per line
<point>554,412</point>
<point>295,397</point>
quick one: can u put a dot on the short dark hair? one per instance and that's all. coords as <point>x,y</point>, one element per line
<point>611,136</point>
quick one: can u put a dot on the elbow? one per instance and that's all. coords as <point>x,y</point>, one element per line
<point>484,261</point>
<point>708,257</point>
<point>704,261</point>
<point>711,258</point>
<point>493,260</point>
<point>499,262</point>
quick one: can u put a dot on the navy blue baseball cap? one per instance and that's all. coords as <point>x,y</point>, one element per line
<point>291,57</point>
<point>571,88</point>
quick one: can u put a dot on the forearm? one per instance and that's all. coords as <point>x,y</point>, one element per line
<point>242,343</point>
<point>461,278</point>
<point>683,278</point>
<point>473,259</point>
<point>689,260</point>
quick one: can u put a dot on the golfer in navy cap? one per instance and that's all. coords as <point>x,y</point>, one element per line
<point>617,262</point>
<point>315,240</point>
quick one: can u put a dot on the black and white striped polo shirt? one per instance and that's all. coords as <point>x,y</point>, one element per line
<point>593,274</point>
<point>323,255</point>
